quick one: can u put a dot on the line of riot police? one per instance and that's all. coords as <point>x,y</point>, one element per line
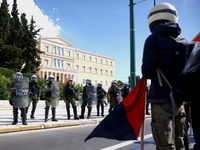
<point>25,92</point>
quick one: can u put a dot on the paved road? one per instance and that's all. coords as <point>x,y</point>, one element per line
<point>6,117</point>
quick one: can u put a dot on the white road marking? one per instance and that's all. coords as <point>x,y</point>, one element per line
<point>117,146</point>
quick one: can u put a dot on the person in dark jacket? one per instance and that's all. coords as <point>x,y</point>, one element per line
<point>168,118</point>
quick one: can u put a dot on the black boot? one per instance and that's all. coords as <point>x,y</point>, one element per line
<point>68,113</point>
<point>75,113</point>
<point>97,110</point>
<point>46,113</point>
<point>102,111</point>
<point>82,112</point>
<point>89,113</point>
<point>24,114</point>
<point>54,115</point>
<point>33,112</point>
<point>15,116</point>
<point>26,110</point>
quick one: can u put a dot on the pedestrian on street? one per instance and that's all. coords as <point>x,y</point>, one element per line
<point>69,98</point>
<point>34,95</point>
<point>168,119</point>
<point>101,93</point>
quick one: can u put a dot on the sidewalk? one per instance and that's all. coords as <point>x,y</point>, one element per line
<point>6,117</point>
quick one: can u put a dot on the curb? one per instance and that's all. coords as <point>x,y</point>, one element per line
<point>46,125</point>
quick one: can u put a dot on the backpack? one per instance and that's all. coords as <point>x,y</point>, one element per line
<point>187,67</point>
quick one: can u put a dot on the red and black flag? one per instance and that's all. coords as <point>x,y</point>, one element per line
<point>124,122</point>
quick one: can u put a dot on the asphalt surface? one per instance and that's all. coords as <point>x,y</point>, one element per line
<point>6,117</point>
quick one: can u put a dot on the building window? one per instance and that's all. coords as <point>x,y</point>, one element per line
<point>68,65</point>
<point>77,56</point>
<point>90,58</point>
<point>68,53</point>
<point>96,82</point>
<point>83,81</point>
<point>59,53</point>
<point>106,62</point>
<point>54,50</point>
<point>111,73</point>
<point>101,61</point>
<point>83,68</point>
<point>46,62</point>
<point>62,51</point>
<point>61,63</point>
<point>101,72</point>
<point>54,62</point>
<point>83,57</point>
<point>106,72</point>
<point>96,60</point>
<point>90,70</point>
<point>58,62</point>
<point>77,67</point>
<point>111,63</point>
<point>95,70</point>
<point>47,49</point>
<point>106,83</point>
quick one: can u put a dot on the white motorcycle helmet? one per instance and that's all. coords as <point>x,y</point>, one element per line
<point>162,11</point>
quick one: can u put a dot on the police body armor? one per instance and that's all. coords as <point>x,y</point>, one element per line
<point>55,94</point>
<point>21,90</point>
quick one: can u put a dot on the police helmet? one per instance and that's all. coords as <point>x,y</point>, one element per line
<point>69,79</point>
<point>88,81</point>
<point>51,78</point>
<point>114,82</point>
<point>162,12</point>
<point>34,78</point>
<point>18,76</point>
<point>99,85</point>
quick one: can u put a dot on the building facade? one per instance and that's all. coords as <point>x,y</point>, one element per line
<point>62,60</point>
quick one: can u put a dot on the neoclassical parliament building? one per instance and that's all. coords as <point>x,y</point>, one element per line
<point>62,60</point>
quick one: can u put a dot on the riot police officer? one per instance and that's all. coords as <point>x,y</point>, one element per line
<point>51,99</point>
<point>101,93</point>
<point>34,94</point>
<point>113,92</point>
<point>125,90</point>
<point>87,98</point>
<point>69,93</point>
<point>19,90</point>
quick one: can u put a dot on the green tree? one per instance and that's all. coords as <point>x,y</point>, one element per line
<point>4,85</point>
<point>30,54</point>
<point>4,22</point>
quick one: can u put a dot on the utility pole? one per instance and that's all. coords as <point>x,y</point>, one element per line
<point>132,44</point>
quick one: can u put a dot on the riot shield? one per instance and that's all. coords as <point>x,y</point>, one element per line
<point>55,94</point>
<point>91,93</point>
<point>21,90</point>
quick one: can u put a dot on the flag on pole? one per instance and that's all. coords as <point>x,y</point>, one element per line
<point>124,122</point>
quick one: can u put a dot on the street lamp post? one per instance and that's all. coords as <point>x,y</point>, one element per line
<point>132,46</point>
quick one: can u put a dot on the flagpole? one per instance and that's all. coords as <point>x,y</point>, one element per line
<point>142,128</point>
